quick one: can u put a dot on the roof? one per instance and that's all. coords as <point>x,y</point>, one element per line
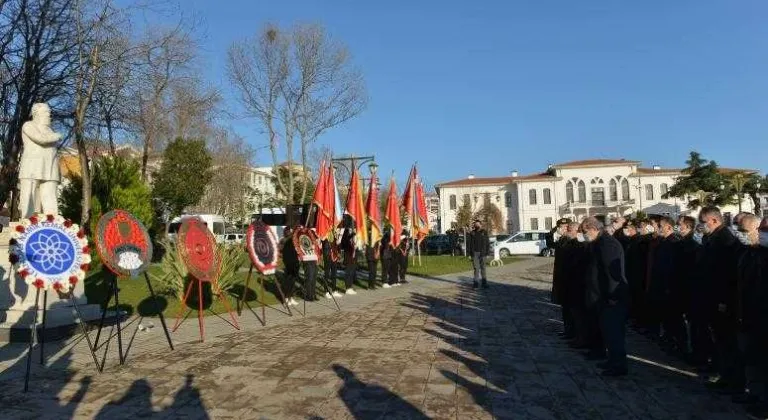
<point>595,162</point>
<point>660,171</point>
<point>467,182</point>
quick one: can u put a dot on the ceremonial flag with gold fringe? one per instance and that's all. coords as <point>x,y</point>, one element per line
<point>356,209</point>
<point>393,213</point>
<point>374,214</point>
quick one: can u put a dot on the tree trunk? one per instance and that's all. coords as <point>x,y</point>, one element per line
<point>110,135</point>
<point>305,180</point>
<point>85,173</point>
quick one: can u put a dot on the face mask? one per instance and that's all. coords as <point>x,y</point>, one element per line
<point>763,240</point>
<point>697,236</point>
<point>625,232</point>
<point>743,238</point>
<point>649,229</point>
<point>676,229</point>
<point>580,237</point>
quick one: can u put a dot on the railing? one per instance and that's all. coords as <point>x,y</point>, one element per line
<point>596,203</point>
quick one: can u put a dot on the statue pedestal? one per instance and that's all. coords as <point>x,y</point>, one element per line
<point>17,303</point>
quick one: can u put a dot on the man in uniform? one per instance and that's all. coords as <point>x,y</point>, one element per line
<point>687,266</point>
<point>663,280</point>
<point>329,268</point>
<point>291,264</point>
<point>555,239</point>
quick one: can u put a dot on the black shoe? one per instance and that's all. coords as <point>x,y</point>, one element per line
<point>758,411</point>
<point>613,372</point>
<point>485,284</point>
<point>474,285</point>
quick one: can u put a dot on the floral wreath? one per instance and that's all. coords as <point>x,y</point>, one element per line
<point>50,252</point>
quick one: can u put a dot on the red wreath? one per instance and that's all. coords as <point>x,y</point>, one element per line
<point>197,248</point>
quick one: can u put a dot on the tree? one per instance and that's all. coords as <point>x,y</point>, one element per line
<point>490,216</point>
<point>301,183</point>
<point>701,181</point>
<point>464,215</point>
<point>184,175</point>
<point>116,185</point>
<point>299,82</point>
<point>229,193</point>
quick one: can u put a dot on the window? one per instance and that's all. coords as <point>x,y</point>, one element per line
<point>547,196</point>
<point>534,224</point>
<point>532,197</point>
<point>452,202</point>
<point>664,189</point>
<point>582,192</point>
<point>507,199</point>
<point>466,199</point>
<point>548,223</point>
<point>569,192</point>
<point>625,190</point>
<point>648,192</point>
<point>487,199</point>
<point>613,192</point>
<point>598,196</point>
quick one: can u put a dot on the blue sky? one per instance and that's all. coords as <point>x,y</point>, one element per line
<point>486,87</point>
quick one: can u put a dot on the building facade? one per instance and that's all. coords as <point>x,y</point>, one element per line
<point>599,187</point>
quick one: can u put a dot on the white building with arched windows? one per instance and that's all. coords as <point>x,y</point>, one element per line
<point>604,188</point>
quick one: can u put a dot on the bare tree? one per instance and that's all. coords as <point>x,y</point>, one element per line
<point>299,82</point>
<point>229,193</point>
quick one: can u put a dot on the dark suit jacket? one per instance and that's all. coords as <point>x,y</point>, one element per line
<point>718,262</point>
<point>605,276</point>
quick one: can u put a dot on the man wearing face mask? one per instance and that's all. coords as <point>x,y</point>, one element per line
<point>750,266</point>
<point>478,247</point>
<point>720,288</point>
<point>608,290</point>
<point>577,257</point>
<point>687,263</point>
<point>638,275</point>
<point>662,282</point>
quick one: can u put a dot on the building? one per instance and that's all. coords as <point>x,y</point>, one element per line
<point>433,211</point>
<point>604,188</point>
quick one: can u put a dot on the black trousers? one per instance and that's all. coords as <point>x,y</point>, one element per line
<point>402,266</point>
<point>372,267</point>
<point>350,273</point>
<point>569,325</point>
<point>730,363</point>
<point>393,271</point>
<point>310,280</point>
<point>291,275</point>
<point>593,332</point>
<point>613,320</point>
<point>329,273</point>
<point>386,266</point>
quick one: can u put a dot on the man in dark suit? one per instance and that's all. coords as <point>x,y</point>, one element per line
<point>719,281</point>
<point>608,289</point>
<point>478,246</point>
<point>663,280</point>
<point>560,275</point>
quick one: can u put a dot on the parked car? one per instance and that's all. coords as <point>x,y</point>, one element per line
<point>234,238</point>
<point>521,243</point>
<point>436,245</point>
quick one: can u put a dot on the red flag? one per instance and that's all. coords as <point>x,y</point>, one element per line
<point>421,216</point>
<point>372,208</point>
<point>324,222</point>
<point>356,209</point>
<point>407,200</point>
<point>393,213</point>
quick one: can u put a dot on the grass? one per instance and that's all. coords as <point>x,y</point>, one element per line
<point>135,298</point>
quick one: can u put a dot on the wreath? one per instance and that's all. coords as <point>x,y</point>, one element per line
<point>50,252</point>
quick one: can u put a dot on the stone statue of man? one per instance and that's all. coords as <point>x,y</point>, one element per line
<point>39,174</point>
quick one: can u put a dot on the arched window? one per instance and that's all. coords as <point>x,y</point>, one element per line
<point>582,192</point>
<point>532,197</point>
<point>569,192</point>
<point>547,196</point>
<point>648,192</point>
<point>613,191</point>
<point>625,189</point>
<point>452,201</point>
<point>664,189</point>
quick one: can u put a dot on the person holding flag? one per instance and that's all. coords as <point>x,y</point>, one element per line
<point>356,235</point>
<point>392,237</point>
<point>374,237</point>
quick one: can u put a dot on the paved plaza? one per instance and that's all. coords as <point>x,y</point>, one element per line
<point>431,349</point>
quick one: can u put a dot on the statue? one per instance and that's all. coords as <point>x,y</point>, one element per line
<point>39,170</point>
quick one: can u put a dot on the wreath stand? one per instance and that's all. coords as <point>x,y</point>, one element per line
<point>216,291</point>
<point>41,338</point>
<point>242,302</point>
<point>114,292</point>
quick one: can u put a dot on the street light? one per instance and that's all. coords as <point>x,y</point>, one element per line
<point>373,167</point>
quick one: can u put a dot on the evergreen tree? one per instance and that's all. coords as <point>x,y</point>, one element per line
<point>183,176</point>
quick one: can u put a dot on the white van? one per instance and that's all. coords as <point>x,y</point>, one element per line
<point>527,242</point>
<point>214,222</point>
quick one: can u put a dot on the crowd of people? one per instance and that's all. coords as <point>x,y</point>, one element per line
<point>696,287</point>
<point>343,254</point>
